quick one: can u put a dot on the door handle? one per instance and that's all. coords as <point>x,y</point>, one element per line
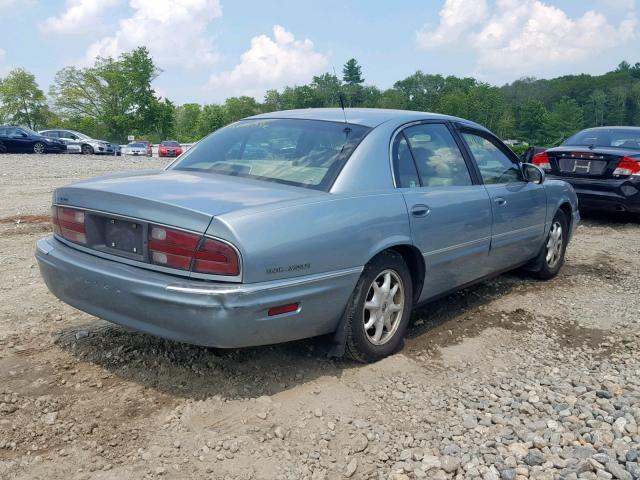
<point>420,210</point>
<point>500,201</point>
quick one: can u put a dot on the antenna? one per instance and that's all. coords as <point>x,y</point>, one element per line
<point>341,98</point>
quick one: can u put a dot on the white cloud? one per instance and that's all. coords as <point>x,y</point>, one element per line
<point>174,31</point>
<point>528,36</point>
<point>7,3</point>
<point>455,17</point>
<point>271,63</point>
<point>80,16</point>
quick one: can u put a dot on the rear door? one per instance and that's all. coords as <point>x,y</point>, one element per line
<point>519,207</point>
<point>449,210</point>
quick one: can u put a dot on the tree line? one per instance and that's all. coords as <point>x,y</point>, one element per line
<point>114,98</point>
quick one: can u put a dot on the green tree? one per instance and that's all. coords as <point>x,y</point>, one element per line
<point>22,102</point>
<point>117,93</point>
<point>532,118</point>
<point>187,117</point>
<point>240,107</point>
<point>352,72</point>
<point>212,117</point>
<point>565,119</point>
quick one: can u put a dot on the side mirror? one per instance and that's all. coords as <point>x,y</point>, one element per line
<point>533,173</point>
<point>22,134</point>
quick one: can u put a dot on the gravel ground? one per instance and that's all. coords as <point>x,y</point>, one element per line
<point>511,379</point>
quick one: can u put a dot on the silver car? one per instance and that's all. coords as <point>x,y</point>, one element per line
<point>136,149</point>
<point>80,143</point>
<point>294,224</point>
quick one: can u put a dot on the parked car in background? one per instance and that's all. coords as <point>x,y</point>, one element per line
<point>117,149</point>
<point>294,224</point>
<point>136,149</point>
<point>602,164</point>
<point>79,142</point>
<point>148,146</point>
<point>169,148</point>
<point>24,140</point>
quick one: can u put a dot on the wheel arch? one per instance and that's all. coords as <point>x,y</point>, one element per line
<point>414,259</point>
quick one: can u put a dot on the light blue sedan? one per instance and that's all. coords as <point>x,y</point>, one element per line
<point>301,223</point>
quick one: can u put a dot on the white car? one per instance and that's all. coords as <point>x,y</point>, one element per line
<point>77,142</point>
<point>136,149</point>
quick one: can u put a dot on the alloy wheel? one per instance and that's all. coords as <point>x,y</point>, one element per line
<point>383,307</point>
<point>38,148</point>
<point>554,245</point>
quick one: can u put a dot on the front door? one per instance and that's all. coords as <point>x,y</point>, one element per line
<point>519,207</point>
<point>449,211</point>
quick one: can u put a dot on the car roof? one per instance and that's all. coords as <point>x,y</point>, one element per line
<point>613,127</point>
<point>368,117</point>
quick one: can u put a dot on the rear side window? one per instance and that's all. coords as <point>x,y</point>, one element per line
<point>494,165</point>
<point>305,153</point>
<point>437,156</point>
<point>404,168</point>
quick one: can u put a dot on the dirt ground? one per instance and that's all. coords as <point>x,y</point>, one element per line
<point>81,398</point>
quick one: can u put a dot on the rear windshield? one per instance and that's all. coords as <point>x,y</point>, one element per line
<point>306,153</point>
<point>170,144</point>
<point>607,137</point>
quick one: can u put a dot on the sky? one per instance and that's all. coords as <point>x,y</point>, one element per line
<point>209,50</point>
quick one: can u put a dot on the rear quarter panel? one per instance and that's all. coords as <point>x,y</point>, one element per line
<point>558,193</point>
<point>337,232</point>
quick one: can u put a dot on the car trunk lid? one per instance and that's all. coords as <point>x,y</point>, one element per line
<point>582,162</point>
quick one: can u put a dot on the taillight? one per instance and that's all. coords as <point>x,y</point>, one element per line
<point>171,248</point>
<point>627,166</point>
<point>69,224</point>
<point>216,257</point>
<point>542,161</point>
<point>187,251</point>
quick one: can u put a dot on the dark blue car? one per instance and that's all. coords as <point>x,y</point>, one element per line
<point>24,140</point>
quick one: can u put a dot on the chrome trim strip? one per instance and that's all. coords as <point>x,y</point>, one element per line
<point>151,266</point>
<point>220,289</point>
<point>459,245</point>
<point>520,230</point>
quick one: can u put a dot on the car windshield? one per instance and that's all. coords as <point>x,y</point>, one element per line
<point>306,153</point>
<point>607,137</point>
<point>170,144</point>
<point>137,145</point>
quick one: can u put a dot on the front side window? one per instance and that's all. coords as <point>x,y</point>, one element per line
<point>437,156</point>
<point>305,153</point>
<point>494,165</point>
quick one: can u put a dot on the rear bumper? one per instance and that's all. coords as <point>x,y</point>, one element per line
<point>607,194</point>
<point>221,315</point>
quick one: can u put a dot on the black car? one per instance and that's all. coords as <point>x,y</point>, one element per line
<point>602,164</point>
<point>25,140</point>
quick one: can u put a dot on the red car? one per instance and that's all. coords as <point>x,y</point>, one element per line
<point>169,148</point>
<point>148,145</point>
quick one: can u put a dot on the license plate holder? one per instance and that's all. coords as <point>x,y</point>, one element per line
<point>124,236</point>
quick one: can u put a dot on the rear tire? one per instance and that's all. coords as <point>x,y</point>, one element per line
<point>378,312</point>
<point>86,150</point>
<point>551,257</point>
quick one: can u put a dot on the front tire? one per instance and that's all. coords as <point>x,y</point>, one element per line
<point>379,309</point>
<point>86,150</point>
<point>39,148</point>
<point>551,257</point>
